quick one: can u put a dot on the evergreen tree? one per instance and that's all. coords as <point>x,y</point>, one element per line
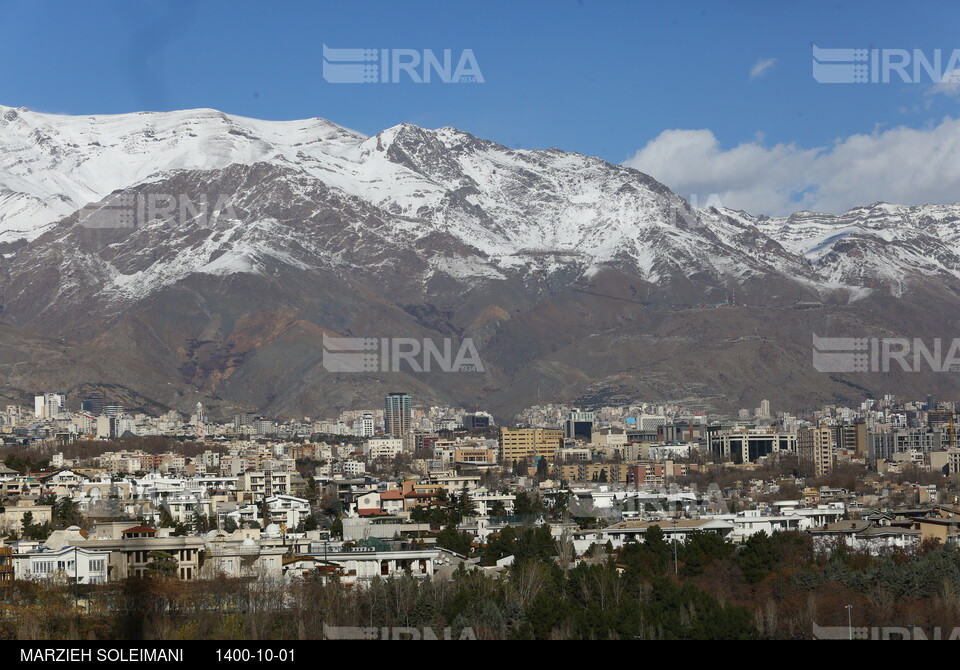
<point>459,542</point>
<point>166,519</point>
<point>162,564</point>
<point>524,504</point>
<point>543,469</point>
<point>757,558</point>
<point>465,504</point>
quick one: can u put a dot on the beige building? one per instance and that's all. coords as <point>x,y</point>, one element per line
<point>518,444</point>
<point>815,448</point>
<point>131,547</point>
<point>11,516</point>
<point>265,484</point>
<point>477,455</point>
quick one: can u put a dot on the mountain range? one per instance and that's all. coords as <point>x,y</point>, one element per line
<point>176,257</point>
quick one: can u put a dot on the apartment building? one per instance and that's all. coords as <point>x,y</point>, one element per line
<point>524,444</point>
<point>657,473</point>
<point>816,448</point>
<point>614,473</point>
<point>884,444</point>
<point>265,484</point>
<point>383,447</point>
<point>242,558</point>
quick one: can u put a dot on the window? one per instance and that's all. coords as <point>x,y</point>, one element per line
<point>42,567</point>
<point>96,565</point>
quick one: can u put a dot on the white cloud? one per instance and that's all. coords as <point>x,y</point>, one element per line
<point>898,165</point>
<point>761,66</point>
<point>949,84</point>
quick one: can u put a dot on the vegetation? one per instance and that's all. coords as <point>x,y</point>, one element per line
<point>772,587</point>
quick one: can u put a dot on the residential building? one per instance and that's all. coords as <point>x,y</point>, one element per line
<point>816,447</point>
<point>396,416</point>
<point>525,444</point>
<point>77,565</point>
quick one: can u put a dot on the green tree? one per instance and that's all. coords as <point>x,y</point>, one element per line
<point>200,522</point>
<point>757,558</point>
<point>450,538</point>
<point>543,469</point>
<point>700,549</point>
<point>534,544</point>
<point>33,530</point>
<point>66,513</point>
<point>524,504</point>
<point>465,503</point>
<point>26,522</point>
<point>499,545</point>
<point>162,564</point>
<point>166,519</point>
<point>648,558</point>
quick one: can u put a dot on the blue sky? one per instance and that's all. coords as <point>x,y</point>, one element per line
<point>601,78</point>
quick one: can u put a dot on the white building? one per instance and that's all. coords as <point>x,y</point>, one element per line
<point>673,530</point>
<point>288,511</point>
<point>383,447</point>
<point>484,501</point>
<point>865,536</point>
<point>69,564</point>
<point>241,558</point>
<point>364,426</point>
<point>359,565</point>
<point>49,405</point>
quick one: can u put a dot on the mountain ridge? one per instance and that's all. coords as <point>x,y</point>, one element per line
<point>434,233</point>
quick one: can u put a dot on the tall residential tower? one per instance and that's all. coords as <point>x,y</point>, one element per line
<point>396,415</point>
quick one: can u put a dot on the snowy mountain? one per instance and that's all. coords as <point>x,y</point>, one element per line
<point>573,274</point>
<point>50,165</point>
<point>877,246</point>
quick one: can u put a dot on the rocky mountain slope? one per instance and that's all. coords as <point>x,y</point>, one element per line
<point>245,242</point>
